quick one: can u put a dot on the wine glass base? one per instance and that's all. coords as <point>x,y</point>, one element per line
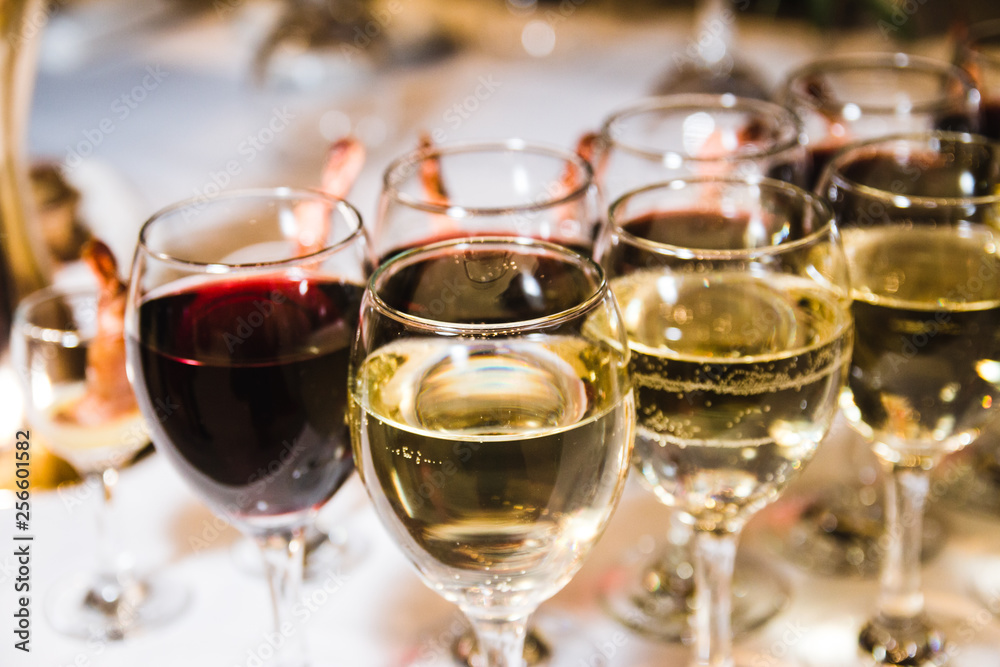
<point>839,533</point>
<point>554,639</point>
<point>92,606</point>
<point>907,642</point>
<point>655,598</point>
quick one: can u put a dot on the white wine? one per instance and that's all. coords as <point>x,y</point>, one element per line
<point>736,378</point>
<point>926,364</point>
<point>500,461</point>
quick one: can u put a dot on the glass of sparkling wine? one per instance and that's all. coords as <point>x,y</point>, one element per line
<point>919,218</point>
<point>492,420</point>
<point>735,299</point>
<point>70,357</point>
<point>657,139</point>
<point>241,313</point>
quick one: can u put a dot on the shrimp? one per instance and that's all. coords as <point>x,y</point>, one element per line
<point>108,394</point>
<point>344,161</point>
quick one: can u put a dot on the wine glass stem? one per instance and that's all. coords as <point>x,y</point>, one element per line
<point>284,559</point>
<point>714,31</point>
<point>900,596</point>
<point>501,641</point>
<point>714,560</point>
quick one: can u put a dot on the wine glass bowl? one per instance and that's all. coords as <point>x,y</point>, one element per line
<point>502,188</point>
<point>66,361</point>
<point>734,294</point>
<point>918,215</point>
<point>672,136</point>
<point>242,309</point>
<point>492,421</point>
<point>852,97</point>
<point>978,53</point>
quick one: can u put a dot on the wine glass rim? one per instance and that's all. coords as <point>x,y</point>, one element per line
<point>67,337</point>
<point>832,174</point>
<point>702,102</point>
<point>392,178</point>
<point>818,204</point>
<point>413,255</point>
<point>347,210</point>
<point>897,61</point>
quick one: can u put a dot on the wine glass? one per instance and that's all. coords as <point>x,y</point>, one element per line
<point>492,421</point>
<point>492,188</point>
<point>241,313</point>
<point>918,216</point>
<point>656,139</point>
<point>843,99</point>
<point>978,53</point>
<point>736,306</point>
<point>499,188</point>
<point>852,97</point>
<point>70,359</point>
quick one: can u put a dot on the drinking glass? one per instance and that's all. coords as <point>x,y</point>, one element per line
<point>241,313</point>
<point>919,219</point>
<point>492,416</point>
<point>978,53</point>
<point>736,307</point>
<point>656,139</point>
<point>494,188</point>
<point>70,359</point>
<point>852,97</point>
<point>843,99</point>
<point>500,188</point>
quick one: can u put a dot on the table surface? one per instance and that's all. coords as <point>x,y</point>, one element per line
<point>143,111</point>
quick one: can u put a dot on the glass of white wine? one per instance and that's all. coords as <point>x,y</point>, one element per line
<point>657,139</point>
<point>70,356</point>
<point>919,220</point>
<point>736,306</point>
<point>492,420</point>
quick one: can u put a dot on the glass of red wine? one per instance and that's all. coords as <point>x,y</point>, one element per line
<point>918,218</point>
<point>242,310</point>
<point>852,97</point>
<point>658,139</point>
<point>509,188</point>
<point>978,53</point>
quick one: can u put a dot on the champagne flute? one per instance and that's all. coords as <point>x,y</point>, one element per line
<point>492,421</point>
<point>656,139</point>
<point>241,312</point>
<point>852,97</point>
<point>978,53</point>
<point>918,214</point>
<point>69,353</point>
<point>493,188</point>
<point>736,307</point>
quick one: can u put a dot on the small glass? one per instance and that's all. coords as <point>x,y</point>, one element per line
<point>851,97</point>
<point>70,357</point>
<point>241,313</point>
<point>918,215</point>
<point>492,420</point>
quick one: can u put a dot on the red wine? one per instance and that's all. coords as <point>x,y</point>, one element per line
<point>990,112</point>
<point>248,380</point>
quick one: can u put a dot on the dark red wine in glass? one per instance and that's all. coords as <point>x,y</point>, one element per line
<point>253,377</point>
